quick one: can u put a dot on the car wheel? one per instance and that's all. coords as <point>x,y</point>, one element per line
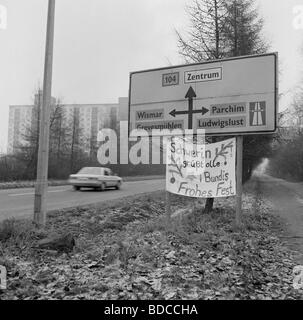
<point>76,188</point>
<point>118,186</point>
<point>103,186</point>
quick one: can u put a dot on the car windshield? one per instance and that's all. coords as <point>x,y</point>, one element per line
<point>90,170</point>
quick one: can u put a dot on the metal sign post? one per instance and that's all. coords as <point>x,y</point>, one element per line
<point>168,206</point>
<point>239,168</point>
<point>42,166</point>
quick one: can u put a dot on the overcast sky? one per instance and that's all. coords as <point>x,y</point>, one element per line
<point>98,42</point>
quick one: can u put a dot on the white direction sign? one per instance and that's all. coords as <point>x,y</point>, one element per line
<point>232,96</point>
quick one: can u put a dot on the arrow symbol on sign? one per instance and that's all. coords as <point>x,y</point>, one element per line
<point>203,111</point>
<point>190,95</point>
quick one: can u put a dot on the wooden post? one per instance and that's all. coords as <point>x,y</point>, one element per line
<point>42,166</point>
<point>167,206</point>
<point>209,203</point>
<point>239,170</point>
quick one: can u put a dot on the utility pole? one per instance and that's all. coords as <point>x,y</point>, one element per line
<point>42,166</point>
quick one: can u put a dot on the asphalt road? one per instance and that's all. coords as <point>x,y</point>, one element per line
<point>16,203</point>
<point>287,200</point>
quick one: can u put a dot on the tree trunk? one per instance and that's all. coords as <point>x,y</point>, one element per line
<point>209,205</point>
<point>209,201</point>
<point>217,32</point>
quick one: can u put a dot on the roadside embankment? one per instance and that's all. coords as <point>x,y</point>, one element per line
<point>126,249</point>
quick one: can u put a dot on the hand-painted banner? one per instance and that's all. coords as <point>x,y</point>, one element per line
<point>199,170</point>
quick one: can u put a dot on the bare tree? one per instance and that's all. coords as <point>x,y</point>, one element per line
<point>221,29</point>
<point>204,40</point>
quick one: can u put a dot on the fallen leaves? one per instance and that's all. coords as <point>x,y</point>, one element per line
<point>125,251</point>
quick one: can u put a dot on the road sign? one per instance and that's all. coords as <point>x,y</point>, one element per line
<point>234,96</point>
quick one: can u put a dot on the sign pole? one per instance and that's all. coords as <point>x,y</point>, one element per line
<point>167,206</point>
<point>239,181</point>
<point>42,165</point>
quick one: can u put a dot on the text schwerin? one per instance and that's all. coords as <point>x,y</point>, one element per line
<point>139,152</point>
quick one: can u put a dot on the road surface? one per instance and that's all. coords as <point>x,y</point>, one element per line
<point>287,200</point>
<point>16,203</point>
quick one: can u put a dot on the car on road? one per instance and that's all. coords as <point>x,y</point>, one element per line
<point>98,178</point>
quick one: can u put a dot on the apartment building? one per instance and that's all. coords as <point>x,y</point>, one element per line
<point>89,117</point>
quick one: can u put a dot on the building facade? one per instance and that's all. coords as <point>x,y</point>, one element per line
<point>90,119</point>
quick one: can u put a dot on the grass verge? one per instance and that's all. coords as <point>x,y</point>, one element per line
<point>126,250</point>
<point>28,184</point>
<point>31,184</point>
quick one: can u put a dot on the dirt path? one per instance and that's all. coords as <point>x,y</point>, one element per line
<point>287,200</point>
